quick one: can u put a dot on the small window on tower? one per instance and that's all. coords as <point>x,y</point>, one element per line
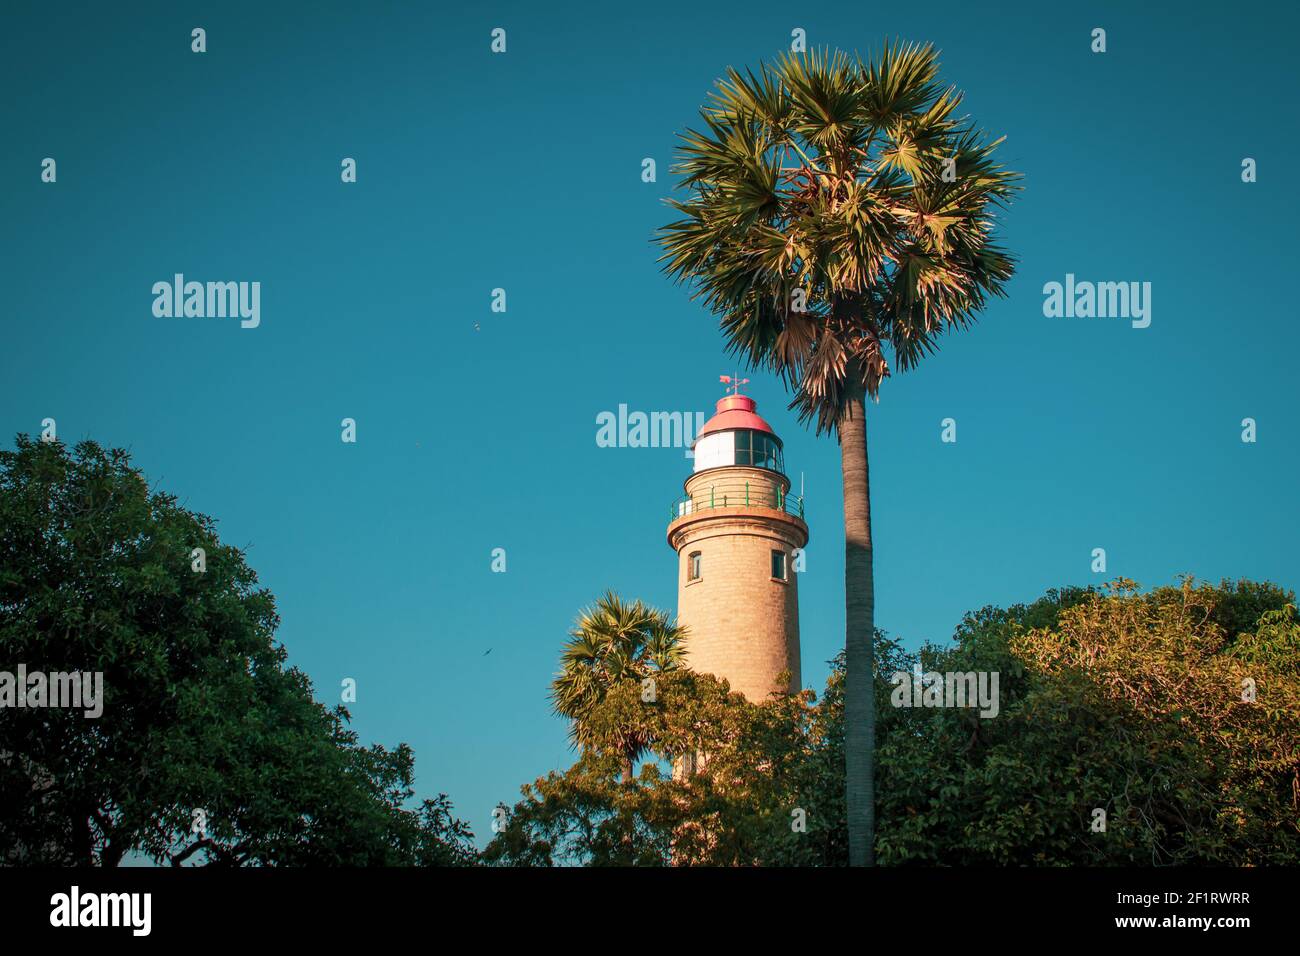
<point>693,567</point>
<point>778,565</point>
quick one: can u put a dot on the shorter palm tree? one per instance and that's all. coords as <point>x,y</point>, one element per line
<point>613,641</point>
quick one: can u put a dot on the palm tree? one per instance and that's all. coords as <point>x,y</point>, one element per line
<point>836,210</point>
<point>613,641</point>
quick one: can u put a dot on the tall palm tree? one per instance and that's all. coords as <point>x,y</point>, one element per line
<point>613,641</point>
<point>839,209</point>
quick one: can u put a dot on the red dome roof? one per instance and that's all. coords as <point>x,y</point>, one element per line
<point>735,411</point>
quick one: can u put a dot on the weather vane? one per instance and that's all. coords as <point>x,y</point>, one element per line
<point>733,382</point>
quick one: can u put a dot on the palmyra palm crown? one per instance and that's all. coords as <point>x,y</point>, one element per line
<point>852,190</point>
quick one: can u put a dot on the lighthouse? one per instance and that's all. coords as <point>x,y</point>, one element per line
<point>735,531</point>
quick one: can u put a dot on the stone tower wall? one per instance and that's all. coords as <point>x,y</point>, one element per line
<point>744,624</point>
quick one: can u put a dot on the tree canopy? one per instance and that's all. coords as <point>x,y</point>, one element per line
<point>1133,728</point>
<point>210,748</point>
<point>1176,712</point>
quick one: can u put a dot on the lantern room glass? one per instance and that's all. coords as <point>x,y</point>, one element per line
<point>759,450</point>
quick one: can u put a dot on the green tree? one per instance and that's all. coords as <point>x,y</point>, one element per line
<point>593,815</point>
<point>839,211</point>
<point>1109,699</point>
<point>209,748</point>
<point>613,642</point>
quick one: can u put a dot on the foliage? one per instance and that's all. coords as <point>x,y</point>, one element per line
<point>1120,701</point>
<point>590,815</point>
<point>1109,699</point>
<point>202,720</point>
<point>613,643</point>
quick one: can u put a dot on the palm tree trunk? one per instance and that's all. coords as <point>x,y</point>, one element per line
<point>859,635</point>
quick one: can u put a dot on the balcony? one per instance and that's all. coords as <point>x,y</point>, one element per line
<point>756,495</point>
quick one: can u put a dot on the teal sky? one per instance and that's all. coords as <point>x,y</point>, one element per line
<point>522,171</point>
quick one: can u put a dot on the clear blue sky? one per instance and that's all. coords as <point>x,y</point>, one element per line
<point>522,171</point>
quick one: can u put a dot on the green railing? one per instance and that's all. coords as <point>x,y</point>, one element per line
<point>749,494</point>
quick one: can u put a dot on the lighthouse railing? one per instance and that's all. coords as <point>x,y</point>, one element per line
<point>738,495</point>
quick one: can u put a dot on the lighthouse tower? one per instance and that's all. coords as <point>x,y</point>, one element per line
<point>735,532</point>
